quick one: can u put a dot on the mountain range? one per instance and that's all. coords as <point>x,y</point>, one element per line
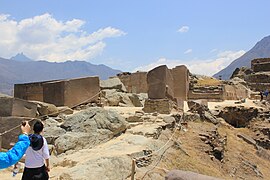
<point>21,69</point>
<point>260,50</point>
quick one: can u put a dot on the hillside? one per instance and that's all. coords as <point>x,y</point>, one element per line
<point>23,71</point>
<point>156,144</point>
<point>260,50</point>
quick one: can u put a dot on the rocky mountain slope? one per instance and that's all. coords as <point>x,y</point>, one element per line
<point>260,50</point>
<point>21,69</point>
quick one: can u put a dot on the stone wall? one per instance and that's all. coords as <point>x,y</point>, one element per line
<point>29,91</point>
<point>134,82</point>
<point>235,92</point>
<point>61,92</point>
<point>162,106</point>
<point>71,92</point>
<point>260,65</point>
<point>259,81</point>
<point>208,92</point>
<point>259,86</point>
<point>260,77</point>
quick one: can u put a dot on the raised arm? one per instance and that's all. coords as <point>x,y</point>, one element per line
<point>15,154</point>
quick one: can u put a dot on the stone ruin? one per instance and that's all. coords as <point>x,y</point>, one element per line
<point>134,82</point>
<point>219,92</point>
<point>68,92</point>
<point>167,89</point>
<point>260,65</point>
<point>259,80</point>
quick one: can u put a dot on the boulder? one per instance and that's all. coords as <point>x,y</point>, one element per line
<point>65,110</point>
<point>74,141</point>
<point>116,98</point>
<point>113,83</point>
<point>89,128</point>
<point>187,175</point>
<point>188,116</point>
<point>109,168</point>
<point>46,108</point>
<point>135,100</point>
<point>52,133</point>
<point>111,97</point>
<point>197,105</point>
<point>10,106</point>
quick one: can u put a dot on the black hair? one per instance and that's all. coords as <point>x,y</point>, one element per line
<point>38,127</point>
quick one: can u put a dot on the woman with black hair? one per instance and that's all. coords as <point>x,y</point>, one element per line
<point>37,156</point>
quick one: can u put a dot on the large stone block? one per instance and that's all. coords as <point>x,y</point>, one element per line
<point>181,82</point>
<point>53,93</point>
<point>71,92</point>
<point>7,123</point>
<point>162,106</point>
<point>29,91</point>
<point>113,83</point>
<point>160,83</point>
<point>134,82</point>
<point>10,106</point>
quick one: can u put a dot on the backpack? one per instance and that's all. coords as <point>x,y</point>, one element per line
<point>36,141</point>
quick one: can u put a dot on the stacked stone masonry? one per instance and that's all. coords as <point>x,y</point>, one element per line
<point>260,80</point>
<point>260,65</point>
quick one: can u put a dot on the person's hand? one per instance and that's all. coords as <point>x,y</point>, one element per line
<point>25,127</point>
<point>47,168</point>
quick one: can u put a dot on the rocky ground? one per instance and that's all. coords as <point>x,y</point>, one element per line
<point>100,143</point>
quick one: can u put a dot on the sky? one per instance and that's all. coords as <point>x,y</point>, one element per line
<point>205,35</point>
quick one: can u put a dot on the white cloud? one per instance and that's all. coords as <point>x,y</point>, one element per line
<point>204,67</point>
<point>188,51</point>
<point>213,50</point>
<point>44,37</point>
<point>183,29</point>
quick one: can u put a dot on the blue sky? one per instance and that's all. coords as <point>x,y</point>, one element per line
<point>134,35</point>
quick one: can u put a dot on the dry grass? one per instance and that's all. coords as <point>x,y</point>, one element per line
<point>237,151</point>
<point>208,81</point>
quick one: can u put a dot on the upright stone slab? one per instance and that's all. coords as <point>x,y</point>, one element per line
<point>10,106</point>
<point>53,92</point>
<point>160,83</point>
<point>71,92</point>
<point>181,82</point>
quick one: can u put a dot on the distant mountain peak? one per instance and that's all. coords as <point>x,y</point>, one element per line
<point>21,57</point>
<point>260,50</point>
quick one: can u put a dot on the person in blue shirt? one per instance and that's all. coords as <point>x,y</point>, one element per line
<point>15,154</point>
<point>266,92</point>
